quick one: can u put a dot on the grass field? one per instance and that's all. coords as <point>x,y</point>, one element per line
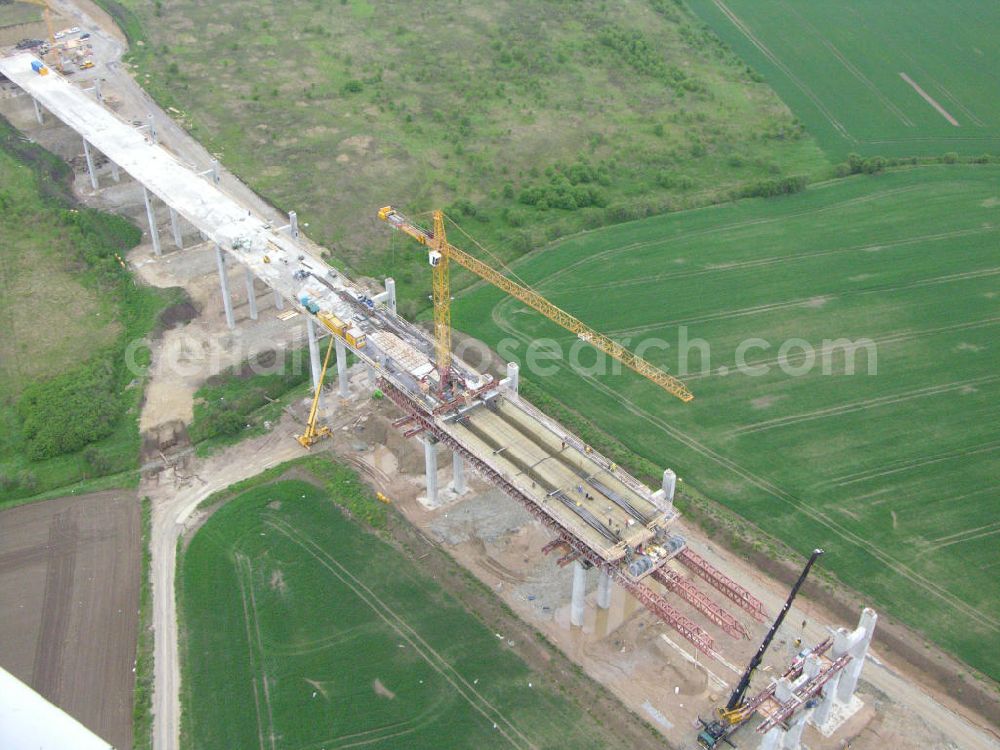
<point>67,310</point>
<point>893,473</point>
<point>611,111</point>
<point>862,76</point>
<point>303,631</point>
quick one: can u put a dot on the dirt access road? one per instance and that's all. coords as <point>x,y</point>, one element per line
<point>69,600</point>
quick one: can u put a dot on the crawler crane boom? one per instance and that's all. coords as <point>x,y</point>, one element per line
<point>440,254</point>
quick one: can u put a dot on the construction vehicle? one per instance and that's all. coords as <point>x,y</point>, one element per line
<point>313,433</point>
<point>53,36</point>
<point>440,253</point>
<point>735,714</point>
<point>351,334</point>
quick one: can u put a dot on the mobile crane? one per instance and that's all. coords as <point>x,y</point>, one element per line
<point>313,434</point>
<point>734,714</point>
<point>440,253</point>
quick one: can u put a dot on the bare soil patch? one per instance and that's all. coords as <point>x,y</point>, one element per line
<point>69,596</point>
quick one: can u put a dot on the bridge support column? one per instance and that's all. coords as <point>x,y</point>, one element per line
<point>227,302</point>
<point>90,164</point>
<point>175,226</point>
<point>372,377</point>
<point>579,592</point>
<point>38,111</point>
<point>859,650</point>
<point>513,376</point>
<point>115,172</point>
<point>293,224</point>
<point>342,382</point>
<point>430,470</point>
<point>390,290</point>
<point>154,234</point>
<point>251,295</point>
<point>315,367</point>
<point>279,301</point>
<point>603,590</point>
<point>153,135</point>
<point>97,90</point>
<point>772,740</point>
<point>793,735</point>
<point>458,474</point>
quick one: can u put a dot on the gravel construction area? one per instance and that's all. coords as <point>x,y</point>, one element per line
<point>69,600</point>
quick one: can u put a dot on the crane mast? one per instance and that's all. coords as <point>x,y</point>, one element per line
<point>440,254</point>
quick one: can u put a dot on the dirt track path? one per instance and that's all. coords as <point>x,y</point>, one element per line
<point>173,511</point>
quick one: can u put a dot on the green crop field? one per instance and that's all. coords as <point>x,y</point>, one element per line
<point>875,77</point>
<point>304,631</point>
<point>893,473</point>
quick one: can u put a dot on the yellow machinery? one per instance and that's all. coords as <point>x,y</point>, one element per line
<point>312,433</point>
<point>440,252</point>
<point>52,34</point>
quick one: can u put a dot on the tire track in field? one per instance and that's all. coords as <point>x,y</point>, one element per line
<point>715,229</point>
<point>244,575</point>
<point>855,406</point>
<point>851,68</point>
<point>984,527</point>
<point>781,259</point>
<point>437,662</point>
<point>776,61</point>
<point>896,337</point>
<point>929,99</point>
<point>765,485</point>
<point>915,64</point>
<point>806,301</point>
<point>916,463</point>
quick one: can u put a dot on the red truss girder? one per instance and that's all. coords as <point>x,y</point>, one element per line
<point>792,673</point>
<point>552,545</point>
<point>802,695</point>
<point>719,580</point>
<point>650,599</point>
<point>566,559</point>
<point>700,601</point>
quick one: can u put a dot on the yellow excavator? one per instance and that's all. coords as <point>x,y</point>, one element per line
<point>314,433</point>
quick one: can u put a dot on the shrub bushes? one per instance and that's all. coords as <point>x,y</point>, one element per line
<point>69,411</point>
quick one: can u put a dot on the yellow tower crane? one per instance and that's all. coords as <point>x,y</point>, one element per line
<point>441,252</point>
<point>312,433</point>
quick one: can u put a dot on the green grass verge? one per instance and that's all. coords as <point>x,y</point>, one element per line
<point>841,66</point>
<point>142,705</point>
<point>69,410</point>
<point>891,473</point>
<point>389,656</point>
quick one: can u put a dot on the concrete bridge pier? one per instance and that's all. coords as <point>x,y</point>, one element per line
<point>315,365</point>
<point>279,301</point>
<point>430,470</point>
<point>227,302</point>
<point>603,590</point>
<point>175,226</point>
<point>342,382</point>
<point>577,599</point>
<point>154,234</point>
<point>90,164</point>
<point>38,111</point>
<point>458,474</point>
<point>251,295</point>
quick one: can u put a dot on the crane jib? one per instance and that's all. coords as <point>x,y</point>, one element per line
<point>534,300</point>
